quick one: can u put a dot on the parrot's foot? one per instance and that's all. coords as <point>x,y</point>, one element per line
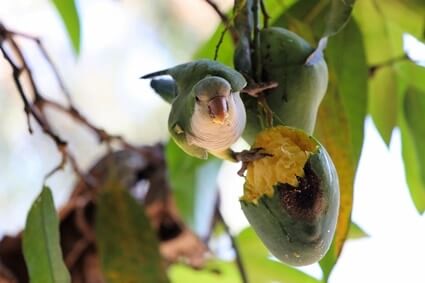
<point>248,156</point>
<point>256,89</point>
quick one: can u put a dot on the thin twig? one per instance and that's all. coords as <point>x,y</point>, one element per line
<point>28,108</point>
<point>35,108</point>
<point>222,16</point>
<point>389,62</point>
<point>46,56</point>
<point>54,70</point>
<point>239,263</point>
<point>266,16</point>
<point>257,89</point>
<point>80,219</point>
<point>266,110</point>
<point>220,41</point>
<point>228,26</point>
<point>76,252</point>
<point>256,44</point>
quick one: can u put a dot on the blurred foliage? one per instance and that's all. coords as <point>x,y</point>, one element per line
<point>261,268</point>
<point>355,232</point>
<point>215,271</point>
<point>41,246</point>
<point>128,246</point>
<point>69,14</point>
<point>340,123</point>
<point>191,178</point>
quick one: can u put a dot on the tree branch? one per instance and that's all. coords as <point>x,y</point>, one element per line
<point>47,58</point>
<point>228,26</point>
<point>239,263</point>
<point>35,107</point>
<point>266,16</point>
<point>222,16</point>
<point>373,68</point>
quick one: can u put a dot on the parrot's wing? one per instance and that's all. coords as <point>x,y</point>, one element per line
<point>226,154</point>
<point>156,74</point>
<point>187,75</point>
<point>179,136</point>
<point>166,88</point>
<point>236,80</point>
<point>179,125</point>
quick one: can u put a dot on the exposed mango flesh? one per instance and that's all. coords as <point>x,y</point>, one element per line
<point>290,149</point>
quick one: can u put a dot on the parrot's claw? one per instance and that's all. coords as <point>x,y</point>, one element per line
<point>248,156</point>
<point>256,89</point>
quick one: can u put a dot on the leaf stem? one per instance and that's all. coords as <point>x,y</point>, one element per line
<point>239,263</point>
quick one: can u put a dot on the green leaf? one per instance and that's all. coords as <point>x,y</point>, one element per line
<point>341,122</point>
<point>411,74</point>
<point>325,18</point>
<point>128,246</point>
<point>277,8</point>
<point>41,246</point>
<point>339,14</point>
<point>261,268</point>
<point>413,139</point>
<point>377,32</point>
<point>194,184</point>
<point>405,16</point>
<point>213,272</point>
<point>346,56</point>
<point>383,23</point>
<point>69,14</point>
<point>411,81</point>
<point>356,232</point>
<point>383,101</point>
<point>193,181</point>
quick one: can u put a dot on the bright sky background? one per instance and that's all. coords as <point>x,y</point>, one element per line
<point>395,250</point>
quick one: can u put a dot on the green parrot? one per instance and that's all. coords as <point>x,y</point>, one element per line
<point>207,113</point>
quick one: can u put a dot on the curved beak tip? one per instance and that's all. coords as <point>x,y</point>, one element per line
<point>218,109</point>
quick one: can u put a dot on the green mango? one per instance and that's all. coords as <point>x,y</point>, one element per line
<point>291,199</point>
<point>301,84</point>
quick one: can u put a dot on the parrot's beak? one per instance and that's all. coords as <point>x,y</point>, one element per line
<point>218,109</point>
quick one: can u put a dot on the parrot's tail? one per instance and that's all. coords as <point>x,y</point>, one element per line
<point>155,74</point>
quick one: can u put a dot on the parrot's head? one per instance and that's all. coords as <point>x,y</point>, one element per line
<point>213,96</point>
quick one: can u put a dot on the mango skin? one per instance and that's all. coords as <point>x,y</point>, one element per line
<point>299,233</point>
<point>301,87</point>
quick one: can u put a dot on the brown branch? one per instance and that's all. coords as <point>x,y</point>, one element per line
<point>80,219</point>
<point>77,251</point>
<point>50,63</point>
<point>29,109</point>
<point>373,68</point>
<point>228,26</point>
<point>222,16</point>
<point>35,108</point>
<point>266,16</point>
<point>256,44</point>
<point>239,263</point>
<point>220,41</point>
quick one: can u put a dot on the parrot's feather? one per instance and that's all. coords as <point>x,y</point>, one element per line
<point>155,74</point>
<point>188,74</point>
<point>167,89</point>
<point>179,137</point>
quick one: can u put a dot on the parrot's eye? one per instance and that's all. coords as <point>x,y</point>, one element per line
<point>197,99</point>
